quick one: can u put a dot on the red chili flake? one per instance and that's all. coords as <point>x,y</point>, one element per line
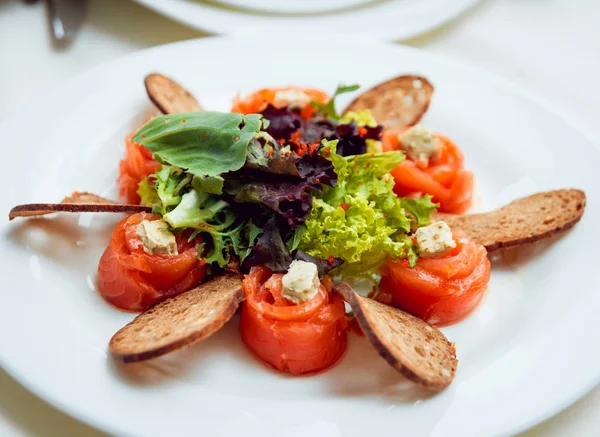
<point>202,262</point>
<point>281,141</point>
<point>184,121</point>
<point>318,180</point>
<point>270,153</point>
<point>203,136</point>
<point>362,131</point>
<point>301,150</point>
<point>344,206</point>
<point>327,151</point>
<point>385,215</point>
<point>331,260</point>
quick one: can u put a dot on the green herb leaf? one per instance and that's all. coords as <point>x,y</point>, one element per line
<point>328,109</point>
<point>343,89</point>
<point>253,232</point>
<point>293,243</point>
<point>205,144</point>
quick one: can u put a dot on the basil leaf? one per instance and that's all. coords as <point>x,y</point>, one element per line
<point>205,144</point>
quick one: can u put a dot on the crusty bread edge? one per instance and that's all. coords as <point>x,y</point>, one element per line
<point>156,101</point>
<point>354,300</point>
<point>418,116</point>
<point>37,209</point>
<point>499,245</point>
<point>195,337</point>
<point>150,92</point>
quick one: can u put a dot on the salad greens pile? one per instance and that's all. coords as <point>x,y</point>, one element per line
<point>265,189</point>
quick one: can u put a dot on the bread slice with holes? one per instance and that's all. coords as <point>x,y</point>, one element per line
<point>179,321</point>
<point>413,347</point>
<point>523,221</point>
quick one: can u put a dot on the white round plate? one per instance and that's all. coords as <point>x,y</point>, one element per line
<point>527,351</point>
<point>390,20</point>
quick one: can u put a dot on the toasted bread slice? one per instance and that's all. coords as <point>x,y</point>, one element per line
<point>76,202</point>
<point>414,348</point>
<point>178,321</point>
<point>396,103</point>
<point>169,96</point>
<point>523,221</point>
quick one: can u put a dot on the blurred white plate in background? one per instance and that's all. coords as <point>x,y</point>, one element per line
<point>294,6</point>
<point>390,20</point>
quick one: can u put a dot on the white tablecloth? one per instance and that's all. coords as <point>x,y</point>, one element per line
<point>550,46</point>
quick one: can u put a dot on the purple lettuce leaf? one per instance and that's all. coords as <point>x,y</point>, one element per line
<point>350,142</point>
<point>269,250</point>
<point>283,122</point>
<point>291,201</point>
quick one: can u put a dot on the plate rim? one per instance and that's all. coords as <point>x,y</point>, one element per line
<point>543,103</point>
<point>456,11</point>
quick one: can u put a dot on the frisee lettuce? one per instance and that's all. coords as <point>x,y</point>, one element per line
<point>175,195</point>
<point>419,209</point>
<point>361,220</point>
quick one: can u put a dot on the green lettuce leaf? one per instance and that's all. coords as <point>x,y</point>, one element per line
<point>148,195</point>
<point>195,210</point>
<point>204,144</point>
<point>162,190</point>
<point>360,220</point>
<point>420,210</point>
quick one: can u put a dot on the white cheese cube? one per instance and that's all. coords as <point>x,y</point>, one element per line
<point>156,238</point>
<point>420,144</point>
<point>435,240</point>
<point>288,97</point>
<point>301,282</point>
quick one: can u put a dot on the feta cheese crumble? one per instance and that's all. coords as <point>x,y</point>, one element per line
<point>156,238</point>
<point>287,97</point>
<point>419,143</point>
<point>301,282</point>
<point>435,240</point>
